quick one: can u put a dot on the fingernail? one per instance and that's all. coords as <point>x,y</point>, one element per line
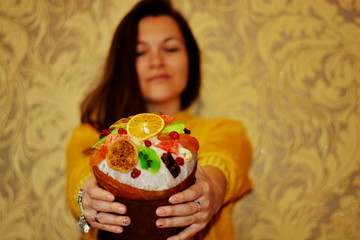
<point>122,210</point>
<point>172,199</point>
<point>119,230</point>
<point>160,212</point>
<point>110,197</point>
<point>125,221</point>
<point>160,223</point>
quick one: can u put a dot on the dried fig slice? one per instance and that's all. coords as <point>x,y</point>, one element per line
<point>122,155</point>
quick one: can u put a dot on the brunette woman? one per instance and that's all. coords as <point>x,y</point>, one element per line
<point>154,65</point>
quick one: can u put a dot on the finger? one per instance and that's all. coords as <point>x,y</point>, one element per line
<point>90,203</point>
<point>112,207</point>
<point>92,188</point>
<point>190,194</point>
<point>109,228</point>
<point>176,221</point>
<point>111,219</point>
<point>185,209</point>
<point>187,232</point>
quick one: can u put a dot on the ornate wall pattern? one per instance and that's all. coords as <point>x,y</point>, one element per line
<point>289,70</point>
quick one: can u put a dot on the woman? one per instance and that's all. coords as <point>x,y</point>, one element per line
<point>154,65</point>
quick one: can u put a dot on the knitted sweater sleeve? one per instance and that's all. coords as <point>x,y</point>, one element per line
<point>225,145</point>
<point>78,163</point>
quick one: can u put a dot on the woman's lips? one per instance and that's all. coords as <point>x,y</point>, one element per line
<point>159,78</point>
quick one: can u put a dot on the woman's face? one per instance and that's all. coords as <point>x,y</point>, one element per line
<point>162,61</point>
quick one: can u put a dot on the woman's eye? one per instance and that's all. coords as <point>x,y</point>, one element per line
<point>139,54</point>
<point>171,49</point>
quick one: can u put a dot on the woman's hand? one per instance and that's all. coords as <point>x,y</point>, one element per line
<point>98,201</point>
<point>209,189</point>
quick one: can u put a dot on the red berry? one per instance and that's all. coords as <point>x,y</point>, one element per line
<point>135,173</point>
<point>147,143</point>
<point>174,135</point>
<point>180,161</point>
<point>105,132</point>
<point>122,131</point>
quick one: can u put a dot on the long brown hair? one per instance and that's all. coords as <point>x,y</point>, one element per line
<point>118,94</point>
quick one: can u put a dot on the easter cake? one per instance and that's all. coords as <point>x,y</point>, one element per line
<point>142,160</point>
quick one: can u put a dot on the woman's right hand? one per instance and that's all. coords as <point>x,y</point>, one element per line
<point>97,200</point>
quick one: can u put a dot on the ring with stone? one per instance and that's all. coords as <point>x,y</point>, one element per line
<point>197,202</point>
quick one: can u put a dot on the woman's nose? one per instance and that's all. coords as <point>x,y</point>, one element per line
<point>156,60</point>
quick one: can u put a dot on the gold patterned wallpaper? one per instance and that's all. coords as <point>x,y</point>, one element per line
<point>288,69</point>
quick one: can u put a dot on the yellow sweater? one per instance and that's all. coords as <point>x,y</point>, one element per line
<point>223,144</point>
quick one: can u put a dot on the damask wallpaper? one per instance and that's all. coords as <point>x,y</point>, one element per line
<point>288,69</point>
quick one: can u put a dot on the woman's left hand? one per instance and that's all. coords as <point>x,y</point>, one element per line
<point>209,189</point>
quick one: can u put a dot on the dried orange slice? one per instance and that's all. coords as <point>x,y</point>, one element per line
<point>145,125</point>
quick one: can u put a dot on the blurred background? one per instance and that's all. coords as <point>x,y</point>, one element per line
<point>288,69</point>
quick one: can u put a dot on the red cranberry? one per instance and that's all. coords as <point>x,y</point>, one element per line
<point>147,143</point>
<point>135,173</point>
<point>105,132</point>
<point>122,131</point>
<point>174,135</point>
<point>180,161</point>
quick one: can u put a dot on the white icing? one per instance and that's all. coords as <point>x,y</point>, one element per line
<point>161,180</point>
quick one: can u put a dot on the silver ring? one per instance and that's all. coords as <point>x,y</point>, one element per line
<point>197,202</point>
<point>97,216</point>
